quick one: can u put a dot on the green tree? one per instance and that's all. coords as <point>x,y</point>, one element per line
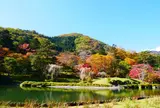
<point>157,66</point>
<point>34,44</point>
<point>10,65</point>
<point>43,57</point>
<point>147,58</point>
<point>5,39</point>
<point>124,68</point>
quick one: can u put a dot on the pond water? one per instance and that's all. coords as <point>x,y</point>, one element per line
<point>17,94</point>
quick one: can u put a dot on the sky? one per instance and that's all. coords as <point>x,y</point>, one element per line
<point>130,24</point>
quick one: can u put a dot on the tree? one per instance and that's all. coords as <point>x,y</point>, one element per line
<point>10,64</point>
<point>68,59</point>
<point>130,61</point>
<point>43,57</point>
<point>84,55</point>
<point>157,64</point>
<point>147,58</point>
<point>46,48</point>
<point>120,54</point>
<point>100,62</point>
<point>23,63</point>
<point>52,71</point>
<point>5,39</point>
<point>34,43</point>
<point>124,68</point>
<point>86,73</point>
<point>65,42</point>
<point>141,71</point>
<point>24,48</point>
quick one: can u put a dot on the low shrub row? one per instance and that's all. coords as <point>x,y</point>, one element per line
<point>123,82</point>
<point>142,86</point>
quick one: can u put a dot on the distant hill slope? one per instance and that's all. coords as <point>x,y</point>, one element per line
<point>78,42</point>
<point>154,52</point>
<point>72,42</point>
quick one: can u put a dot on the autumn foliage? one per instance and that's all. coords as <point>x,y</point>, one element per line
<point>24,51</point>
<point>138,69</point>
<point>4,51</point>
<point>130,61</point>
<point>68,59</point>
<point>100,62</point>
<point>144,72</point>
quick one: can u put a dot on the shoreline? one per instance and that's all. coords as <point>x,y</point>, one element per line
<point>87,87</point>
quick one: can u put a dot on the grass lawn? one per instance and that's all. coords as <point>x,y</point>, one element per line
<point>153,102</point>
<point>76,82</point>
<point>107,81</point>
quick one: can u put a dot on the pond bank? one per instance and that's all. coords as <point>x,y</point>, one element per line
<point>87,87</point>
<point>47,84</point>
<point>66,85</point>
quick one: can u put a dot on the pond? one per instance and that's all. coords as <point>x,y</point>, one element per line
<point>17,94</point>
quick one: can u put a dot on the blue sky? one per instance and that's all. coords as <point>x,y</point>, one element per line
<point>131,24</point>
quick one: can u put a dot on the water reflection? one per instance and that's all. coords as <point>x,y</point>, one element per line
<point>17,94</point>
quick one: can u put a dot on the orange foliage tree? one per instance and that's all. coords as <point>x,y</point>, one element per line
<point>4,51</point>
<point>130,61</point>
<point>68,59</point>
<point>100,62</point>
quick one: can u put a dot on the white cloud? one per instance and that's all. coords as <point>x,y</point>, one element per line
<point>155,49</point>
<point>158,48</point>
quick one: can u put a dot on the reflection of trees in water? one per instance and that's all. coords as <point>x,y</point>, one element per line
<point>65,96</point>
<point>48,96</point>
<point>85,96</point>
<point>61,96</point>
<point>142,94</point>
<point>95,95</point>
<point>56,96</point>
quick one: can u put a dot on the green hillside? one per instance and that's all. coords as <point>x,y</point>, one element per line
<point>27,53</point>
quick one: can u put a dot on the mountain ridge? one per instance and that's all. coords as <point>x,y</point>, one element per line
<point>72,42</point>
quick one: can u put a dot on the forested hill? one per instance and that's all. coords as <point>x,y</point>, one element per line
<point>12,38</point>
<point>24,52</point>
<point>73,42</point>
<point>76,42</point>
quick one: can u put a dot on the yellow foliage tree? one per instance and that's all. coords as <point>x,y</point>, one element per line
<point>130,61</point>
<point>121,53</point>
<point>100,62</point>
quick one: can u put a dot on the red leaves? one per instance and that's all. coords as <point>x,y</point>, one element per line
<point>149,74</point>
<point>86,65</point>
<point>134,73</point>
<point>24,46</point>
<point>137,69</point>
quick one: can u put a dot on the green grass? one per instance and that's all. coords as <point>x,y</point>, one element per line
<point>152,102</point>
<point>103,81</point>
<point>120,81</point>
<point>45,84</point>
